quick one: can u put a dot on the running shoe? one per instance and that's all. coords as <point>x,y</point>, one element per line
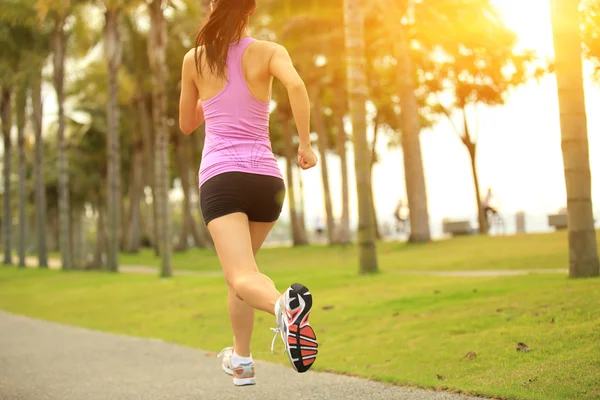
<point>292,324</point>
<point>242,374</point>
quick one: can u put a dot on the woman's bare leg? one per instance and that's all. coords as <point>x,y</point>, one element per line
<point>240,313</point>
<point>231,234</point>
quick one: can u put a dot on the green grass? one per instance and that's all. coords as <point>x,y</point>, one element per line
<point>389,327</point>
<point>540,251</point>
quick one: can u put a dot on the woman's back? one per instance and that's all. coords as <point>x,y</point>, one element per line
<point>236,110</point>
<point>255,58</point>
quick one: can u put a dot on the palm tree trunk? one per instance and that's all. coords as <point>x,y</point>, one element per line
<point>343,236</point>
<point>182,162</point>
<point>112,54</point>
<point>21,105</point>
<point>135,192</point>
<point>6,216</point>
<point>299,236</point>
<point>301,218</point>
<point>100,239</point>
<point>40,189</point>
<point>357,92</point>
<point>157,43</point>
<point>323,147</point>
<point>375,220</point>
<point>371,165</point>
<point>53,228</point>
<point>59,48</point>
<point>197,229</point>
<point>76,235</point>
<point>583,250</point>
<point>410,123</point>
<point>198,137</point>
<point>149,162</point>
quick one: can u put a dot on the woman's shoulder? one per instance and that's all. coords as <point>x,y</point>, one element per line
<point>267,45</point>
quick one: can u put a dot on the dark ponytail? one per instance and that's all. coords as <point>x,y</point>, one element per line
<point>225,25</point>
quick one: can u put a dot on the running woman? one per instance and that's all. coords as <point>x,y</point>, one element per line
<point>226,82</point>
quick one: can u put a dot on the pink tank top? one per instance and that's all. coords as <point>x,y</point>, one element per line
<point>237,126</point>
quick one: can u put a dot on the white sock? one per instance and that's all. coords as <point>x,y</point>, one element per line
<point>237,360</point>
<point>277,307</point>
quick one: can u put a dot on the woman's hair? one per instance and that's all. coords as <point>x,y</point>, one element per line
<point>225,25</point>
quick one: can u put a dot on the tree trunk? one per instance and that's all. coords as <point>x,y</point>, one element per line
<point>371,165</point>
<point>149,178</point>
<point>299,236</point>
<point>76,235</point>
<point>198,230</point>
<point>40,188</point>
<point>112,54</point>
<point>157,43</point>
<point>59,48</point>
<point>410,123</point>
<point>100,239</point>
<point>343,234</point>
<point>198,137</point>
<point>53,228</point>
<point>20,108</point>
<point>583,250</point>
<point>481,216</point>
<point>357,93</point>
<point>375,220</point>
<point>472,149</point>
<point>5,113</point>
<point>323,147</point>
<point>182,163</point>
<point>135,192</point>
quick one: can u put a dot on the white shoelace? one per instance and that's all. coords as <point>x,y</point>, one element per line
<point>277,332</point>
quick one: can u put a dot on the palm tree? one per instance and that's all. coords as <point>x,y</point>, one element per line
<point>323,145</point>
<point>20,108</point>
<point>410,122</point>
<point>340,105</point>
<point>583,251</point>
<point>59,11</point>
<point>40,188</point>
<point>357,94</point>
<point>157,44</point>
<point>5,115</point>
<point>112,53</point>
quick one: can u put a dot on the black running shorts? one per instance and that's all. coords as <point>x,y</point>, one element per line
<point>260,197</point>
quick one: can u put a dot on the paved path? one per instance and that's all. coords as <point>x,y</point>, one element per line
<point>47,361</point>
<point>142,269</point>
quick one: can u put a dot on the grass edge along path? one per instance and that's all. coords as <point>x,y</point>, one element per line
<point>403,330</point>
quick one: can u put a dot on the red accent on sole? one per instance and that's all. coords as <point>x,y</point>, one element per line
<point>308,332</point>
<point>308,362</point>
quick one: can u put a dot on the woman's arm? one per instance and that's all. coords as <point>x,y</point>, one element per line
<point>191,114</point>
<point>282,68</point>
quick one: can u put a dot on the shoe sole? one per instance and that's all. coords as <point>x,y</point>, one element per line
<point>301,343</point>
<point>244,381</point>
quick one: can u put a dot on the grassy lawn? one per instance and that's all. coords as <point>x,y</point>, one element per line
<point>389,327</point>
<point>540,251</point>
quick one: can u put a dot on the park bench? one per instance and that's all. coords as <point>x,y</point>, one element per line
<point>457,228</point>
<point>558,221</point>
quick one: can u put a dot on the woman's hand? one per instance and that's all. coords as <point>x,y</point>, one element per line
<point>306,157</point>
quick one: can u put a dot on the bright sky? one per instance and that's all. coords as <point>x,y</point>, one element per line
<point>519,153</point>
